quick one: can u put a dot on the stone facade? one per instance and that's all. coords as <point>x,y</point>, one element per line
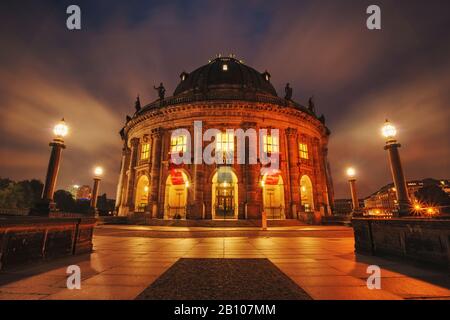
<point>153,125</point>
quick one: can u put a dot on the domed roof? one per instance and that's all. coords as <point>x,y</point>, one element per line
<point>225,73</point>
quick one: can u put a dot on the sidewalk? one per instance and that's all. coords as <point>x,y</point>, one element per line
<point>122,266</point>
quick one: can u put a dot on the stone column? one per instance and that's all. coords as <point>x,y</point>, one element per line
<point>293,172</point>
<point>134,145</point>
<point>329,180</point>
<point>398,177</point>
<point>254,192</point>
<point>120,183</point>
<point>251,175</point>
<point>355,201</point>
<point>94,196</point>
<point>155,171</point>
<point>46,204</point>
<point>52,170</point>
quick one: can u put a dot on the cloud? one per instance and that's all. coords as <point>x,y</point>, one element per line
<point>91,77</point>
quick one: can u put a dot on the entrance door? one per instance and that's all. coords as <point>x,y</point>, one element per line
<point>225,201</point>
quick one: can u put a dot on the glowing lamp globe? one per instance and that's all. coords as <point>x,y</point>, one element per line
<point>98,171</point>
<point>388,130</point>
<point>61,129</point>
<point>351,172</point>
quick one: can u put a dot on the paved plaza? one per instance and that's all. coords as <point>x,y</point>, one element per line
<point>319,259</point>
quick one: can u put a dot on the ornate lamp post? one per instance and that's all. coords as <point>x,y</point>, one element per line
<point>351,173</point>
<point>98,172</point>
<point>389,132</point>
<point>46,203</point>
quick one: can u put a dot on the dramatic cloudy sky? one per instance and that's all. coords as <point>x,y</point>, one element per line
<point>323,48</point>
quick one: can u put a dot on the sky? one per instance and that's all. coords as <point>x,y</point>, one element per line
<point>358,76</point>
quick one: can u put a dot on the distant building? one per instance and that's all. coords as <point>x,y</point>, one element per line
<point>344,206</point>
<point>84,193</point>
<point>384,200</point>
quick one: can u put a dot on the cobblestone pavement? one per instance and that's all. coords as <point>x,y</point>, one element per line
<point>319,259</point>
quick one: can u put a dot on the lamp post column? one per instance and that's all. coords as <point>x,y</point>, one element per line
<point>389,132</point>
<point>98,171</point>
<point>46,204</point>
<point>52,170</point>
<point>399,178</point>
<point>355,201</point>
<point>351,173</point>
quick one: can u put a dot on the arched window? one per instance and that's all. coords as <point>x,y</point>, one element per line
<point>273,195</point>
<point>142,189</point>
<point>176,195</point>
<point>306,192</point>
<point>225,194</point>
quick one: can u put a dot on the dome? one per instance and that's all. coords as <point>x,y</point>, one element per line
<point>225,73</point>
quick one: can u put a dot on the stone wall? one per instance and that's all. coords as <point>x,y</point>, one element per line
<point>422,240</point>
<point>30,239</point>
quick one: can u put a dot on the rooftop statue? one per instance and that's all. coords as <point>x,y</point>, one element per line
<point>137,104</point>
<point>288,91</point>
<point>161,91</point>
<point>311,105</point>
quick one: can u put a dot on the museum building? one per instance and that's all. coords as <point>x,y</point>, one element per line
<point>224,95</point>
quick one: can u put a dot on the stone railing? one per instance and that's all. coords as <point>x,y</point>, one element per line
<point>14,212</point>
<point>225,95</point>
<point>425,240</point>
<point>30,239</point>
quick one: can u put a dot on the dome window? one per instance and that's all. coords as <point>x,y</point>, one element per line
<point>225,67</point>
<point>266,76</point>
<point>183,76</point>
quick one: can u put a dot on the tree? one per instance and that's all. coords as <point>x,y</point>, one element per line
<point>19,195</point>
<point>432,195</point>
<point>64,201</point>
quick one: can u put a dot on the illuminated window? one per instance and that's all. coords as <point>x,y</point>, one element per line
<point>145,151</point>
<point>225,67</point>
<point>178,144</point>
<point>225,142</point>
<point>271,144</point>
<point>303,150</point>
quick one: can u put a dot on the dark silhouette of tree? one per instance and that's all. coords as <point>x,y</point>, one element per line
<point>19,195</point>
<point>64,201</point>
<point>433,195</point>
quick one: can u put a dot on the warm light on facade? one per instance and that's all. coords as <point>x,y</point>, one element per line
<point>225,67</point>
<point>351,172</point>
<point>146,189</point>
<point>145,151</point>
<point>178,144</point>
<point>61,129</point>
<point>388,130</point>
<point>186,184</point>
<point>303,151</point>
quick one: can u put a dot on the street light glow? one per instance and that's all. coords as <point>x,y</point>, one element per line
<point>351,172</point>
<point>388,130</point>
<point>61,129</point>
<point>98,171</point>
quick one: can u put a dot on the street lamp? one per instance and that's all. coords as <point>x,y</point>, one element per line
<point>389,132</point>
<point>98,172</point>
<point>351,173</point>
<point>46,203</point>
